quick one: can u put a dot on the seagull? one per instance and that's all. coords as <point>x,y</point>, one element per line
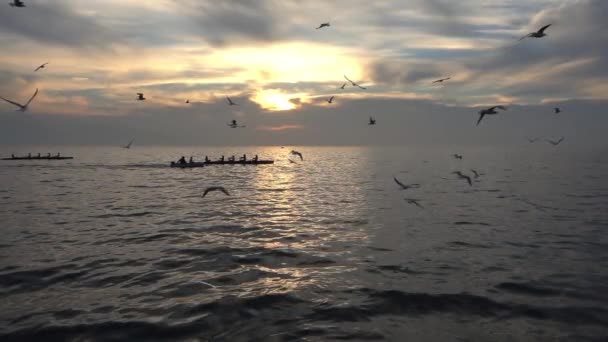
<point>539,34</point>
<point>215,188</point>
<point>457,156</point>
<point>461,176</point>
<point>297,154</point>
<point>323,25</point>
<point>233,124</point>
<point>22,108</point>
<point>555,143</point>
<point>441,80</point>
<point>344,85</point>
<point>128,146</point>
<point>140,97</point>
<point>532,140</point>
<point>17,3</point>
<point>291,161</point>
<point>405,187</point>
<point>557,110</point>
<point>230,102</point>
<point>188,101</point>
<point>353,83</point>
<point>414,202</point>
<point>331,99</point>
<point>477,174</point>
<point>372,121</point>
<point>489,111</point>
<point>41,66</point>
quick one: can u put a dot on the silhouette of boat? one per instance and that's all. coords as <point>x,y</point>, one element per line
<point>219,162</point>
<point>38,158</point>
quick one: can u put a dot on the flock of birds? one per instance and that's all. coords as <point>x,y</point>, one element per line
<point>494,110</point>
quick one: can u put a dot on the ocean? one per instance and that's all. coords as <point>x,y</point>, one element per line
<point>116,246</point>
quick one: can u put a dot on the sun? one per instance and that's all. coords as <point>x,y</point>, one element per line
<point>277,100</point>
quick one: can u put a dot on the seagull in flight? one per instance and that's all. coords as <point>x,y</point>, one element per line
<point>233,124</point>
<point>17,3</point>
<point>140,97</point>
<point>457,156</point>
<point>344,85</point>
<point>331,99</point>
<point>353,83</point>
<point>22,108</point>
<point>557,110</point>
<point>414,202</point>
<point>462,176</point>
<point>489,111</point>
<point>532,140</point>
<point>215,188</point>
<point>323,25</point>
<point>538,34</point>
<point>296,153</point>
<point>405,187</point>
<point>230,103</point>
<point>188,101</point>
<point>128,146</point>
<point>41,66</point>
<point>442,80</point>
<point>372,121</point>
<point>555,143</point>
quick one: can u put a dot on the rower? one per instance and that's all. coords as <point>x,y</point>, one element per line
<point>38,155</point>
<point>12,156</point>
<point>29,156</point>
<point>244,157</point>
<point>182,160</point>
<point>222,159</point>
<point>231,159</point>
<point>255,159</point>
<point>206,159</point>
<point>191,161</point>
<point>58,155</point>
<point>48,155</point>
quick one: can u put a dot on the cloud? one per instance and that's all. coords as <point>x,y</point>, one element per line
<point>279,128</point>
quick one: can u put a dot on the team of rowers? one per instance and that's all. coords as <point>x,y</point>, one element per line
<point>232,159</point>
<point>29,156</point>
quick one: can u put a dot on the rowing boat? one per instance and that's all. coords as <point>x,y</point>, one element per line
<point>219,162</point>
<point>38,158</point>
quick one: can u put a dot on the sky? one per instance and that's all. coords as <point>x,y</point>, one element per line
<point>270,59</point>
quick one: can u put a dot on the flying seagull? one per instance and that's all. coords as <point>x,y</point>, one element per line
<point>557,110</point>
<point>539,34</point>
<point>323,25</point>
<point>17,3</point>
<point>372,121</point>
<point>344,85</point>
<point>489,111</point>
<point>532,140</point>
<point>555,143</point>
<point>414,202</point>
<point>296,153</point>
<point>405,187</point>
<point>442,80</point>
<point>457,156</point>
<point>331,99</point>
<point>140,97</point>
<point>22,108</point>
<point>353,83</point>
<point>128,146</point>
<point>461,176</point>
<point>41,66</point>
<point>230,102</point>
<point>188,101</point>
<point>233,124</point>
<point>215,188</point>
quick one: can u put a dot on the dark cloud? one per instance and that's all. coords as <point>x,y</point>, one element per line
<point>402,72</point>
<point>56,23</point>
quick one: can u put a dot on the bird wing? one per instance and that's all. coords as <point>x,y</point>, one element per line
<point>348,79</point>
<point>398,182</point>
<point>526,36</point>
<point>542,30</point>
<point>224,191</point>
<point>13,102</point>
<point>206,192</point>
<point>501,107</point>
<point>480,118</point>
<point>560,140</point>
<point>300,154</point>
<point>31,98</point>
<point>361,87</point>
<point>469,180</point>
